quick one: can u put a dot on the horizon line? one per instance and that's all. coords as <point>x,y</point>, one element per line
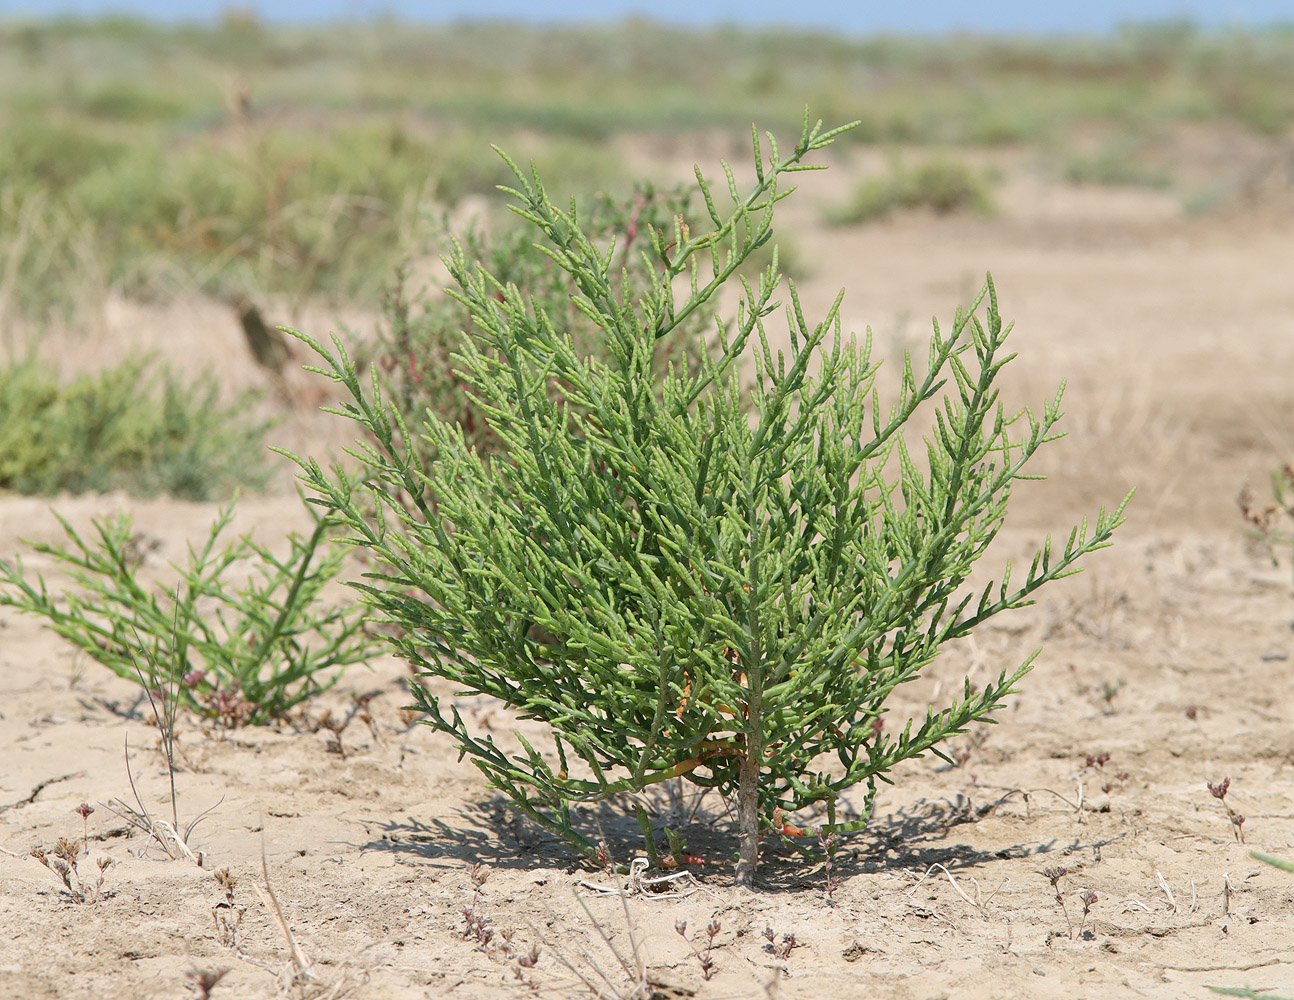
<point>250,17</point>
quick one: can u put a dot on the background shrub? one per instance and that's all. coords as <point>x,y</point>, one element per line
<point>125,428</point>
<point>940,184</point>
<point>1120,162</point>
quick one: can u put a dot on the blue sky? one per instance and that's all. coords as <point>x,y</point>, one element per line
<point>860,17</point>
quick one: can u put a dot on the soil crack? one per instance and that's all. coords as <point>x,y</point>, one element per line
<point>37,790</point>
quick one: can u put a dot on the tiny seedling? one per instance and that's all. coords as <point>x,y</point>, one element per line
<point>1096,763</point>
<point>779,949</point>
<point>1089,899</point>
<point>828,842</point>
<point>84,810</point>
<point>475,926</point>
<point>1273,525</point>
<point>1219,792</point>
<point>227,916</point>
<point>480,929</point>
<point>1054,875</point>
<point>704,958</point>
<point>1107,691</point>
<point>338,725</point>
<point>677,847</point>
<point>526,962</point>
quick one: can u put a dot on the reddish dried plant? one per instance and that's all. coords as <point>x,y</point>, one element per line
<point>704,958</point>
<point>1219,792</point>
<point>63,864</point>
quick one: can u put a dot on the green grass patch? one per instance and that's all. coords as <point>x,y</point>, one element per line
<point>126,428</point>
<point>1120,162</point>
<point>941,185</point>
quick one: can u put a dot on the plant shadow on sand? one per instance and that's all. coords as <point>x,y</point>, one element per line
<point>912,837</point>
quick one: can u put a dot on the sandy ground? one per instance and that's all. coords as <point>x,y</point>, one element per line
<point>1171,655</point>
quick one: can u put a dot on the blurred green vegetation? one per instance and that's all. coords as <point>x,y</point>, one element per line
<point>1120,162</point>
<point>297,208</point>
<point>125,428</point>
<point>940,184</point>
<point>237,158</point>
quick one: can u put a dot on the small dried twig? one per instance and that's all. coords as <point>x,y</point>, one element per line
<point>633,965</point>
<point>300,964</point>
<point>165,721</point>
<point>1026,794</point>
<point>1163,884</point>
<point>978,903</point>
<point>635,884</point>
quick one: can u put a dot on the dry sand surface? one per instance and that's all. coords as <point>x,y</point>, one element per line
<point>1171,654</point>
